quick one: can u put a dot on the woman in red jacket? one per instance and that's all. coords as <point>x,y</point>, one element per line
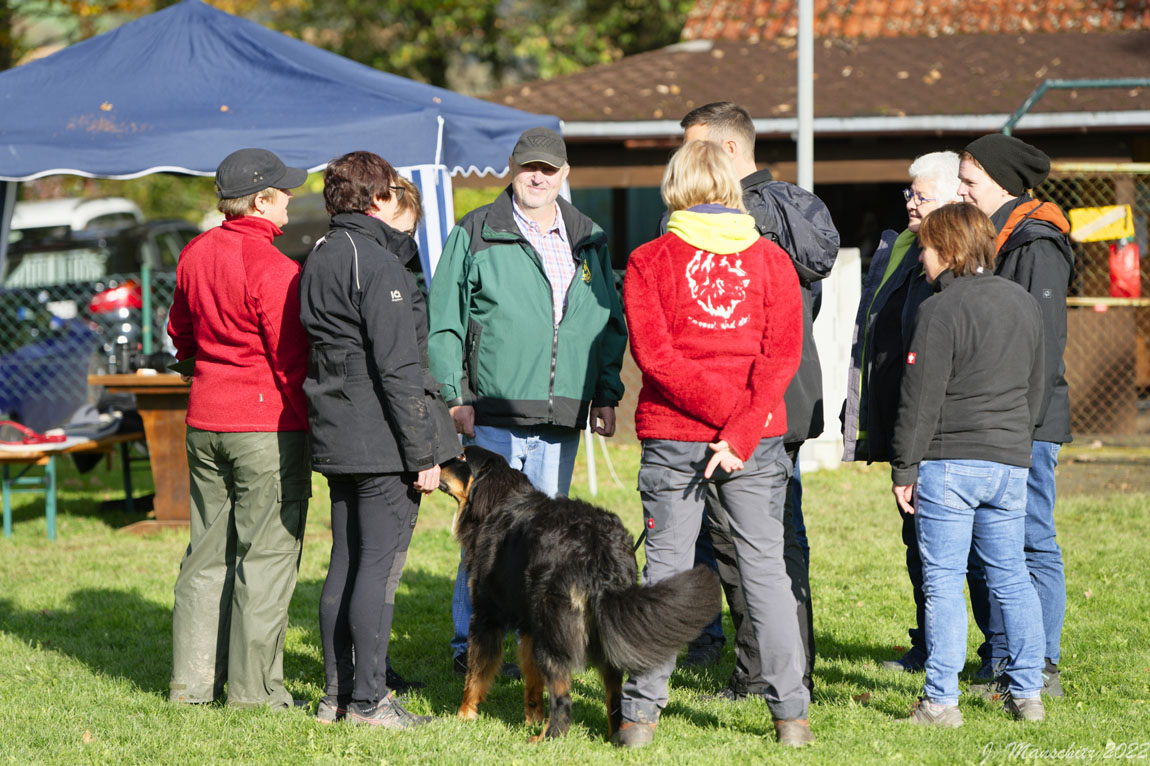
<point>715,320</point>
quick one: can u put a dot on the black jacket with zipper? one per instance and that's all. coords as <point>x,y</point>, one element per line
<point>373,406</point>
<point>1038,256</point>
<point>973,380</point>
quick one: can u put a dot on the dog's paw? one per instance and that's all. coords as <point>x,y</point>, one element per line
<point>467,714</point>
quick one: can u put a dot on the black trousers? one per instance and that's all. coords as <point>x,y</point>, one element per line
<point>372,518</point>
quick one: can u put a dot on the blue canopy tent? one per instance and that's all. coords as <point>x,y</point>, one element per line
<point>178,90</point>
<point>181,88</point>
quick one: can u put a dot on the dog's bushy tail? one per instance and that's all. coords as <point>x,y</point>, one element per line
<point>645,625</point>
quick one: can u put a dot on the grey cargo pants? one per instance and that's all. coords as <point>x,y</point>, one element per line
<point>673,491</point>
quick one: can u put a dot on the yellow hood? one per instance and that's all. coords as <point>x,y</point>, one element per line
<point>719,233</point>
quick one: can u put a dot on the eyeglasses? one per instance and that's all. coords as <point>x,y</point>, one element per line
<point>910,194</point>
<point>399,192</point>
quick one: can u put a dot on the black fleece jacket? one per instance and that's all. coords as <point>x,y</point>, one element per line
<point>974,376</point>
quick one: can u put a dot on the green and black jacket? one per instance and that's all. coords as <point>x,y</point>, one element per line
<point>494,343</point>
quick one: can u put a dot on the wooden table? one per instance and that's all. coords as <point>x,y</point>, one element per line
<point>162,401</point>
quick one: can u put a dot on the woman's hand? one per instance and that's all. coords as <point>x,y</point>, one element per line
<point>724,458</point>
<point>904,494</point>
<point>428,480</point>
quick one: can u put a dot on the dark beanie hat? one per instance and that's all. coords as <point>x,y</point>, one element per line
<point>1013,164</point>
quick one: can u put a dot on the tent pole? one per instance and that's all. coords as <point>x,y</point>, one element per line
<point>439,141</point>
<point>7,206</point>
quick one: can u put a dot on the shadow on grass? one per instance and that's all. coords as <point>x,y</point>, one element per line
<point>83,494</point>
<point>420,635</point>
<point>116,633</point>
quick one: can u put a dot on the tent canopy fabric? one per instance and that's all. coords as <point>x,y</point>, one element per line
<point>181,88</point>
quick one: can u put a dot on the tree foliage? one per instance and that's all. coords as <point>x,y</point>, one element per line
<point>470,46</point>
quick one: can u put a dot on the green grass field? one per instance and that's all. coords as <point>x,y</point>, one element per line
<point>85,649</point>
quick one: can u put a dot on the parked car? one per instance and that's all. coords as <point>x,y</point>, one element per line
<point>92,274</point>
<point>52,241</point>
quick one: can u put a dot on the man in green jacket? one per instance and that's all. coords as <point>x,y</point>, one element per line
<point>527,333</point>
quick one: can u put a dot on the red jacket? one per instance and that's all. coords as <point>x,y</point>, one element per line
<point>236,309</point>
<point>717,338</point>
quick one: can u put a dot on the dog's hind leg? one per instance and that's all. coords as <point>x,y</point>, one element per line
<point>532,680</point>
<point>613,686</point>
<point>559,718</point>
<point>484,657</point>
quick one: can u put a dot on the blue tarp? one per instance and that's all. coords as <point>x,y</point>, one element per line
<point>181,88</point>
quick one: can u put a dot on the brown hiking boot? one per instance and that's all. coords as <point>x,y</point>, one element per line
<point>794,732</point>
<point>634,734</point>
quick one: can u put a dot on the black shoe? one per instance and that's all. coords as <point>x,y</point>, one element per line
<point>728,694</point>
<point>1052,681</point>
<point>508,670</point>
<point>995,691</point>
<point>704,650</point>
<point>911,662</point>
<point>401,685</point>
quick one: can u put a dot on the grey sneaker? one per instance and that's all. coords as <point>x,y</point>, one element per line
<point>1030,709</point>
<point>387,713</point>
<point>927,713</point>
<point>1052,682</point>
<point>704,650</point>
<point>633,734</point>
<point>330,710</point>
<point>794,732</point>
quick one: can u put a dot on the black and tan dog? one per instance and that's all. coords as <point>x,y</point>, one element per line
<point>562,573</point>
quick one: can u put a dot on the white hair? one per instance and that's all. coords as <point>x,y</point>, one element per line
<point>941,169</point>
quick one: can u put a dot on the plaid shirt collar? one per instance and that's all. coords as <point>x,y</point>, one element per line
<point>529,228</point>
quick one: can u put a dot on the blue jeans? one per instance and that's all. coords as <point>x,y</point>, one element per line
<point>960,503</point>
<point>1043,561</point>
<point>546,454</point>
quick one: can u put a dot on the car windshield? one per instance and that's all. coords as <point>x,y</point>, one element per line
<point>56,264</point>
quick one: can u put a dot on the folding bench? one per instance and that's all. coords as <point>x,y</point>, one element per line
<point>46,482</point>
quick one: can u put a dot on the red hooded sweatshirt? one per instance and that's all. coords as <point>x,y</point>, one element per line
<point>716,326</point>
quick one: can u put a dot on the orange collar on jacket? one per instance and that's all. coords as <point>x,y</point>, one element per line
<point>1042,211</point>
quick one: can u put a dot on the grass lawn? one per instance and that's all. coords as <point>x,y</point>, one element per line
<point>85,649</point>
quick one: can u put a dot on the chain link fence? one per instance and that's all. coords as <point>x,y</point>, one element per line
<point>55,331</point>
<point>1108,316</point>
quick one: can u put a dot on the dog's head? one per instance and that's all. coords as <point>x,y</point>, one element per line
<point>458,477</point>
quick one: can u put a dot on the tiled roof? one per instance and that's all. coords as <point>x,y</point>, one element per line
<point>881,77</point>
<point>754,20</point>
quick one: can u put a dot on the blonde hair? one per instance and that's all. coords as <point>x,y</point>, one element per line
<point>962,235</point>
<point>246,204</point>
<point>411,202</point>
<point>701,172</point>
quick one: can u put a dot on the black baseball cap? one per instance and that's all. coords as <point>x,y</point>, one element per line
<point>248,171</point>
<point>540,145</point>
